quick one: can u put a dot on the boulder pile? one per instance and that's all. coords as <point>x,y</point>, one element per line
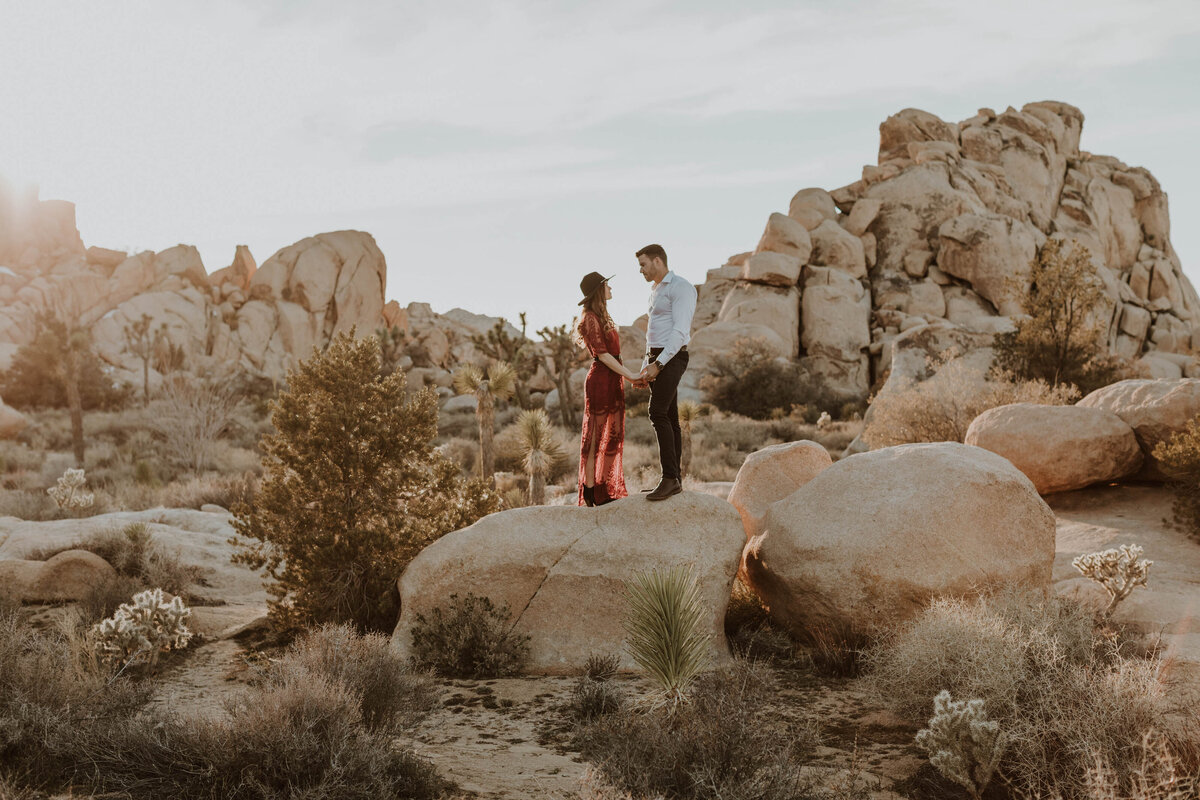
<point>937,232</point>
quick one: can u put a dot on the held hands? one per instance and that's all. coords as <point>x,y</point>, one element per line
<point>650,371</point>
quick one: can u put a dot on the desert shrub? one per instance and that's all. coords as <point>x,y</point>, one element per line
<point>191,414</point>
<point>391,695</point>
<point>511,451</point>
<point>226,491</point>
<point>470,638</point>
<point>716,746</point>
<point>941,408</point>
<point>352,491</point>
<point>1051,681</point>
<point>1180,458</point>
<point>751,381</point>
<point>301,733</point>
<point>600,667</point>
<point>1061,337</point>
<point>18,457</point>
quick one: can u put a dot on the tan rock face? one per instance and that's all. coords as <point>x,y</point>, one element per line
<point>835,312</point>
<point>787,236</point>
<point>912,125</point>
<point>1059,448</point>
<point>990,252</point>
<point>766,306</point>
<point>562,571</point>
<point>771,474</point>
<point>869,541</point>
<point>835,247</point>
<point>1155,409</point>
<point>68,576</point>
<point>776,269</point>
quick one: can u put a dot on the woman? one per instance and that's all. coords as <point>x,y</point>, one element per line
<point>601,477</point>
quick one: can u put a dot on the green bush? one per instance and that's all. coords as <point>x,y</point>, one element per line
<point>752,381</point>
<point>33,379</point>
<point>1180,458</point>
<point>471,638</point>
<point>1063,695</point>
<point>1061,337</point>
<point>352,491</point>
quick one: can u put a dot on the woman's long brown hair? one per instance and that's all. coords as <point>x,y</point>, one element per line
<point>598,305</point>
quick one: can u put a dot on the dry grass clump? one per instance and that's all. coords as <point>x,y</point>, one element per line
<point>750,632</point>
<point>392,696</point>
<point>317,727</point>
<point>1062,693</point>
<point>470,638</point>
<point>941,408</point>
<point>715,746</point>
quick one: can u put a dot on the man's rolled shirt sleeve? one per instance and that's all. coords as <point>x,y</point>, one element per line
<point>683,308</point>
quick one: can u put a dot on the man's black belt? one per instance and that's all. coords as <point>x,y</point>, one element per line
<point>654,351</point>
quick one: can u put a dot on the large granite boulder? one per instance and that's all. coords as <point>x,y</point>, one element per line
<point>69,575</point>
<point>561,571</point>
<point>1155,409</point>
<point>868,542</point>
<point>1059,448</point>
<point>771,474</point>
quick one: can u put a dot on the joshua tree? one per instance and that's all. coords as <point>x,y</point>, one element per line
<point>541,451</point>
<point>498,384</point>
<point>563,356</point>
<point>143,341</point>
<point>689,412</point>
<point>499,345</point>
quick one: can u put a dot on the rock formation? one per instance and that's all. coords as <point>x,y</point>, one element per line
<point>936,232</point>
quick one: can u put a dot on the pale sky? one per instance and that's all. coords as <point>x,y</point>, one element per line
<point>499,151</point>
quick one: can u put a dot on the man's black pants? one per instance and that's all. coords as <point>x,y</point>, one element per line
<point>664,412</point>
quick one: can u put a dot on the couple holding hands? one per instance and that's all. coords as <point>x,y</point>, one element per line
<point>672,305</point>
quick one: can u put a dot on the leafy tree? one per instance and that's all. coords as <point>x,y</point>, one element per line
<point>352,491</point>
<point>143,341</point>
<point>1062,339</point>
<point>35,380</point>
<point>392,344</point>
<point>561,356</point>
<point>497,384</point>
<point>499,345</point>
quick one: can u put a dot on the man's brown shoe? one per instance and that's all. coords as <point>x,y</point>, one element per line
<point>665,489</point>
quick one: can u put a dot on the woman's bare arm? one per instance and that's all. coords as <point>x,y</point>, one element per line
<point>610,361</point>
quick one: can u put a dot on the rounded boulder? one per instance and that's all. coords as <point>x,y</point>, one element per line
<point>1059,448</point>
<point>771,474</point>
<point>868,542</point>
<point>66,576</point>
<point>1155,409</point>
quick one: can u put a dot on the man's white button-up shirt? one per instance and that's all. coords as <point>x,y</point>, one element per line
<point>672,306</point>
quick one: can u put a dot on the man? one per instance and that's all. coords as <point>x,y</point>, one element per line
<point>672,305</point>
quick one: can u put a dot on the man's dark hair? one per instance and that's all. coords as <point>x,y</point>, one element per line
<point>653,251</point>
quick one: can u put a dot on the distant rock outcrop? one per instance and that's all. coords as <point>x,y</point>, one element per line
<point>932,235</point>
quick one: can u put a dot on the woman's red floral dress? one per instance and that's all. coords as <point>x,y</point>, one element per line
<point>603,412</point>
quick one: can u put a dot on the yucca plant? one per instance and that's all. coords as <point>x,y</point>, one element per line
<point>664,630</point>
<point>689,412</point>
<point>498,384</point>
<point>541,450</point>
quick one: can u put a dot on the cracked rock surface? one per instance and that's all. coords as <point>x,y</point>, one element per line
<point>562,570</point>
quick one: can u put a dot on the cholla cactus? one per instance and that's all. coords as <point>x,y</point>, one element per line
<point>1118,571</point>
<point>144,628</point>
<point>824,421</point>
<point>68,494</point>
<point>962,743</point>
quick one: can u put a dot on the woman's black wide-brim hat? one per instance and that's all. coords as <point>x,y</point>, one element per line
<point>591,283</point>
